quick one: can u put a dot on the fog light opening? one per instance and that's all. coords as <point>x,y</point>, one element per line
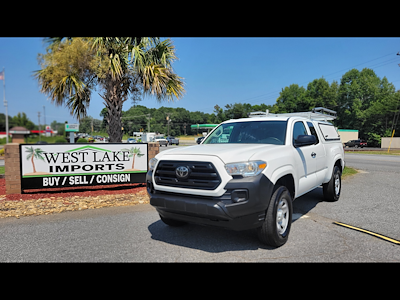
<point>239,196</point>
<point>149,187</point>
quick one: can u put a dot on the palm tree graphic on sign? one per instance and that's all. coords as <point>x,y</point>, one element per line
<point>34,153</point>
<point>133,152</point>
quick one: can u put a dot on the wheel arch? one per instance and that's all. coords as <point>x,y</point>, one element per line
<point>287,181</point>
<point>284,176</point>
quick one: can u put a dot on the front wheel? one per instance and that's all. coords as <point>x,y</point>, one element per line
<point>332,189</point>
<point>276,227</point>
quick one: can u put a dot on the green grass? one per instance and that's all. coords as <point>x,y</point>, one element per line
<point>34,139</point>
<point>383,152</point>
<point>348,171</point>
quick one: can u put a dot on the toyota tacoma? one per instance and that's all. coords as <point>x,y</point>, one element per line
<point>246,173</point>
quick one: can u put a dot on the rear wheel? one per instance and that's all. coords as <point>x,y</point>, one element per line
<point>276,227</point>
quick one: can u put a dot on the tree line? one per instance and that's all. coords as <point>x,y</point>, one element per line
<point>362,100</point>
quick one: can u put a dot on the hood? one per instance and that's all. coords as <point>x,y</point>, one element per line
<point>228,153</point>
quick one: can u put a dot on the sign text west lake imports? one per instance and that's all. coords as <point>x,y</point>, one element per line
<point>61,165</point>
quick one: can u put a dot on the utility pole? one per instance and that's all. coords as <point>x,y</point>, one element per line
<point>39,125</point>
<point>168,121</point>
<point>3,77</point>
<point>44,115</point>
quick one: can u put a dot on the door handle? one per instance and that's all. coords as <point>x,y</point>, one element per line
<point>313,154</point>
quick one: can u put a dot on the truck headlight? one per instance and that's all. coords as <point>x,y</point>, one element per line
<point>152,163</point>
<point>246,169</point>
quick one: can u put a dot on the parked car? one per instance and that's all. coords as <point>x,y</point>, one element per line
<point>199,140</point>
<point>131,140</point>
<point>161,140</point>
<point>171,140</point>
<point>356,143</point>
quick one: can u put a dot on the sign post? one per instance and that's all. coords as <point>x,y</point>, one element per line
<point>71,128</point>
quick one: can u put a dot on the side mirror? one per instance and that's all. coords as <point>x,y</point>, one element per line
<point>304,140</point>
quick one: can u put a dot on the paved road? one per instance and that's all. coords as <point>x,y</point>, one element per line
<point>122,234</point>
<point>374,162</point>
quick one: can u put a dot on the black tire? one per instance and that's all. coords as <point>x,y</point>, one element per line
<point>171,222</point>
<point>333,188</point>
<point>269,233</point>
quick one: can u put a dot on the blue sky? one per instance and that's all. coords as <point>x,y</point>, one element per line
<point>215,70</point>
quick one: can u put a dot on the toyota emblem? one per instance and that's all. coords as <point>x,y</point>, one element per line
<point>182,172</point>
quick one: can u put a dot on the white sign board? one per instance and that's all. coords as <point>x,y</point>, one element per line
<point>66,165</point>
<point>72,127</point>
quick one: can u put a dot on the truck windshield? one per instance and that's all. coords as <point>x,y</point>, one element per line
<point>253,132</point>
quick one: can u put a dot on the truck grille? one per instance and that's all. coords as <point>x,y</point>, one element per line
<point>201,175</point>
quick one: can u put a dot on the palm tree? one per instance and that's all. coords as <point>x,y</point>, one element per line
<point>120,66</point>
<point>34,153</point>
<point>132,153</point>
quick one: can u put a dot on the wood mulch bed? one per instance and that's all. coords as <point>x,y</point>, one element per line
<point>57,200</point>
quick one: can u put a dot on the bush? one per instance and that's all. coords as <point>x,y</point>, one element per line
<point>82,140</point>
<point>60,140</point>
<point>2,152</point>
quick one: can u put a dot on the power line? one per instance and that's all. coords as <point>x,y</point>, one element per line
<point>373,66</point>
<point>324,77</point>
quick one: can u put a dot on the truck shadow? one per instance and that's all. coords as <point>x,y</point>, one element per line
<point>217,240</point>
<point>306,203</point>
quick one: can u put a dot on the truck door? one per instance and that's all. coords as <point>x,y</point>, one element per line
<point>320,156</point>
<point>305,161</point>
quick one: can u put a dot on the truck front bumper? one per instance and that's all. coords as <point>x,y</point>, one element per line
<point>243,206</point>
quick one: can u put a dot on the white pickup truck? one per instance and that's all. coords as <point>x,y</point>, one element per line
<point>161,140</point>
<point>246,173</point>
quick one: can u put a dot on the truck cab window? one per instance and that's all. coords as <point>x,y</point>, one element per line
<point>313,132</point>
<point>298,129</point>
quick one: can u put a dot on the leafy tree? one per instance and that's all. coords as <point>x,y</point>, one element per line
<point>59,127</point>
<point>86,123</point>
<point>237,110</point>
<point>293,99</point>
<point>321,94</point>
<point>23,120</point>
<point>366,103</point>
<point>120,66</point>
<point>11,122</point>
<point>219,114</point>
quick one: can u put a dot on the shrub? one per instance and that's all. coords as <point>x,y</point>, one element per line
<point>60,140</point>
<point>82,140</point>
